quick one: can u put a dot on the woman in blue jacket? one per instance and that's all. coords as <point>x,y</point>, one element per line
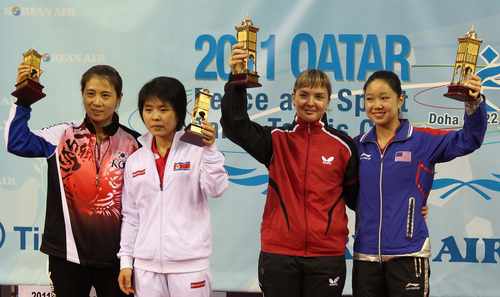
<point>396,171</point>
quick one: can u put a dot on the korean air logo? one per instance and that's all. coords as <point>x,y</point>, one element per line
<point>365,157</point>
<point>74,58</point>
<point>46,57</point>
<point>40,11</point>
<point>327,161</point>
<point>16,11</point>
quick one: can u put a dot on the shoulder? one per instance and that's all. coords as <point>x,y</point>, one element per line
<point>62,130</point>
<point>62,125</point>
<point>129,134</point>
<point>286,128</point>
<point>358,137</point>
<point>127,130</point>
<point>339,135</point>
<point>136,159</point>
<point>357,140</point>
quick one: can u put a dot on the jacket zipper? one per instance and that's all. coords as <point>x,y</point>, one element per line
<point>381,196</point>
<point>95,193</point>
<point>305,182</point>
<point>381,199</point>
<point>381,204</point>
<point>161,213</point>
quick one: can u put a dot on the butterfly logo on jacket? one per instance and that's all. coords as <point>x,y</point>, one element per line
<point>327,161</point>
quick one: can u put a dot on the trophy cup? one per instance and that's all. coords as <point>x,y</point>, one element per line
<point>29,91</point>
<point>468,49</point>
<point>247,36</point>
<point>192,133</point>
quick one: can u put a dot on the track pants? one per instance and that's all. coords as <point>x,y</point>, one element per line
<point>191,284</point>
<point>69,279</point>
<point>290,276</point>
<point>405,276</point>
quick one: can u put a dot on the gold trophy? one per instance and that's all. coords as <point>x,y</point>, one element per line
<point>30,91</point>
<point>247,36</point>
<point>468,48</point>
<point>192,133</point>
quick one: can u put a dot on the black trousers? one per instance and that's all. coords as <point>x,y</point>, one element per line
<point>405,276</point>
<point>69,279</point>
<point>289,276</point>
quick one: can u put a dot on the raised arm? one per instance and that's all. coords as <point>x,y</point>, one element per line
<point>19,139</point>
<point>445,146</point>
<point>252,137</point>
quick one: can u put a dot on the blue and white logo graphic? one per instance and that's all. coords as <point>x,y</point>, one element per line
<point>473,184</point>
<point>16,11</point>
<point>246,181</point>
<point>492,71</point>
<point>46,57</point>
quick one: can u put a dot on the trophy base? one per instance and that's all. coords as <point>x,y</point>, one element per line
<point>192,134</point>
<point>459,93</point>
<point>246,80</point>
<point>28,91</point>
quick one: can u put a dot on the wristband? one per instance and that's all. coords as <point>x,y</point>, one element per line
<point>475,106</point>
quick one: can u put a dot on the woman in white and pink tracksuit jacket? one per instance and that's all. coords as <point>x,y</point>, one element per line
<point>166,232</point>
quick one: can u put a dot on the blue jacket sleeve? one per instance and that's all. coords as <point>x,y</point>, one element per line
<point>20,140</point>
<point>443,148</point>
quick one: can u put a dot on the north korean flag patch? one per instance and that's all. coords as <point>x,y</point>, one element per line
<point>182,166</point>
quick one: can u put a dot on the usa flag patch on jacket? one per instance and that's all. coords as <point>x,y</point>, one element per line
<point>403,157</point>
<point>182,166</point>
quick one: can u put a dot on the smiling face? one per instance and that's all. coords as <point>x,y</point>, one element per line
<point>100,100</point>
<point>160,119</point>
<point>311,102</point>
<point>382,104</point>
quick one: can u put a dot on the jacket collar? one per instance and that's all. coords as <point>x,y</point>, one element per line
<point>109,129</point>
<point>147,140</point>
<point>403,132</point>
<point>316,125</point>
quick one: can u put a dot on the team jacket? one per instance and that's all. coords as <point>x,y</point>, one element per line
<point>395,185</point>
<point>166,224</point>
<point>82,222</point>
<point>313,172</point>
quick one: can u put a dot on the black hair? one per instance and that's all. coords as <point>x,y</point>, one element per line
<point>167,90</point>
<point>103,71</point>
<point>389,77</point>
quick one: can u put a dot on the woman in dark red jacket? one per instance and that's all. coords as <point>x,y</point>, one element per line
<point>313,174</point>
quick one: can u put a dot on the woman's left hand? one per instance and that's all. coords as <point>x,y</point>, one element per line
<point>474,86</point>
<point>208,130</point>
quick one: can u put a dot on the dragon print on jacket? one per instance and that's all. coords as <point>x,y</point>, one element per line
<point>83,215</point>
